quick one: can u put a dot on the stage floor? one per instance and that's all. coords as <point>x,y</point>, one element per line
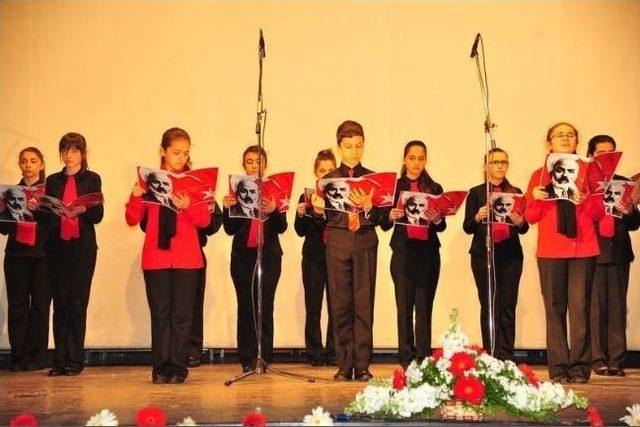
<point>205,398</point>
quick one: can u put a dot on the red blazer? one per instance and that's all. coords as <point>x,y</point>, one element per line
<point>552,244</point>
<point>184,251</point>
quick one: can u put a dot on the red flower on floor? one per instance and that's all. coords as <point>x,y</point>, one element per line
<point>254,419</point>
<point>469,389</point>
<point>151,416</point>
<point>528,372</point>
<point>399,379</point>
<point>594,417</point>
<point>24,420</point>
<point>436,354</point>
<point>460,363</point>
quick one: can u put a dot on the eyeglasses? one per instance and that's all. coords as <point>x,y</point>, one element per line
<point>499,162</point>
<point>564,135</point>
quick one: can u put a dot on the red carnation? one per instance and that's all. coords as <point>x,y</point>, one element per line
<point>436,354</point>
<point>151,416</point>
<point>469,389</point>
<point>594,417</point>
<point>254,419</point>
<point>461,362</point>
<point>399,379</point>
<point>477,348</point>
<point>528,372</point>
<point>24,420</point>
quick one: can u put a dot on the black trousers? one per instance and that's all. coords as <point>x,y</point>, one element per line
<point>242,269</point>
<point>171,295</point>
<point>314,280</point>
<point>566,284</point>
<point>351,268</point>
<point>196,338</point>
<point>507,274</point>
<point>29,299</point>
<point>71,273</point>
<point>415,272</point>
<point>609,314</point>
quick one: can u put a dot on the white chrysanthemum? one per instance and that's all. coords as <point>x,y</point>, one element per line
<point>414,373</point>
<point>443,365</point>
<point>408,402</point>
<point>103,418</point>
<point>187,422</point>
<point>318,417</point>
<point>374,398</point>
<point>633,419</point>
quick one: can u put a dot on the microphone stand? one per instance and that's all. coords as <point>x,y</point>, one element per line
<point>261,366</point>
<point>490,143</point>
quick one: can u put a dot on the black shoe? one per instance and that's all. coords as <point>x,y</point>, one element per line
<point>317,362</point>
<point>193,362</point>
<point>362,374</point>
<point>579,379</point>
<point>562,379</point>
<point>616,372</point>
<point>73,371</point>
<point>34,367</point>
<point>16,367</point>
<point>600,369</point>
<point>177,378</point>
<point>57,372</point>
<point>343,375</point>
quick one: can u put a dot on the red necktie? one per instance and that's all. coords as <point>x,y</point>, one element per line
<point>413,231</point>
<point>252,241</point>
<point>607,226</point>
<point>354,218</point>
<point>69,227</point>
<point>499,230</point>
<point>26,233</point>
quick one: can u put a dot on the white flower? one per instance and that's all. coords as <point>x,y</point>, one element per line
<point>187,422</point>
<point>414,373</point>
<point>374,398</point>
<point>318,417</point>
<point>103,418</point>
<point>633,419</point>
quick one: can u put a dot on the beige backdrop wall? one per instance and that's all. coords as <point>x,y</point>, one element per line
<point>120,72</point>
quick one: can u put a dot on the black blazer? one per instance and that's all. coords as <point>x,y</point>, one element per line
<point>312,229</point>
<point>14,248</point>
<point>275,224</point>
<point>86,182</point>
<point>337,219</point>
<point>400,238</point>
<point>617,249</point>
<point>507,249</point>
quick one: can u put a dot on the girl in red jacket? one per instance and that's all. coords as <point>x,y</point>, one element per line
<point>567,250</point>
<point>171,261</point>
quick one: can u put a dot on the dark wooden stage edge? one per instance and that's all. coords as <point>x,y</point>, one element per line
<point>204,397</point>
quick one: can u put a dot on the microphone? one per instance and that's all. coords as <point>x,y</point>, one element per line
<point>261,48</point>
<point>474,48</point>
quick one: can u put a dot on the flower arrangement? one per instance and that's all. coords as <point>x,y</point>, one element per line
<point>466,377</point>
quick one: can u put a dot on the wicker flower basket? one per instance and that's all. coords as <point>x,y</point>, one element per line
<point>456,411</point>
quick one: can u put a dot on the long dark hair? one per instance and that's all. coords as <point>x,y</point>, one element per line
<point>324,155</point>
<point>171,135</point>
<point>597,140</point>
<point>506,185</point>
<point>77,141</point>
<point>38,154</point>
<point>426,182</point>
